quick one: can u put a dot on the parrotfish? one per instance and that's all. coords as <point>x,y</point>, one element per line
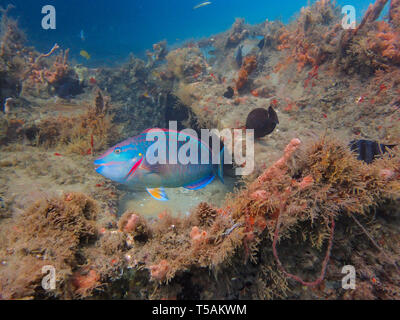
<point>131,163</point>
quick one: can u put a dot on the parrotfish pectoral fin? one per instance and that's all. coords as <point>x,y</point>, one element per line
<point>200,183</point>
<point>158,194</point>
<point>133,169</point>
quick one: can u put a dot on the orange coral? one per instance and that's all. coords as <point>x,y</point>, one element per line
<point>198,236</point>
<point>159,271</point>
<point>59,69</point>
<point>248,66</point>
<point>85,283</point>
<point>131,223</point>
<point>278,168</point>
<point>259,195</point>
<point>306,182</point>
<point>304,53</point>
<point>385,42</point>
<point>311,40</point>
<point>394,13</point>
<point>52,75</point>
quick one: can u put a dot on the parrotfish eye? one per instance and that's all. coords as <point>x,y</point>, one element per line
<point>117,150</point>
<point>140,154</point>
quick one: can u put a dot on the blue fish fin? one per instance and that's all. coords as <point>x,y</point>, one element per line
<point>199,184</point>
<point>157,193</point>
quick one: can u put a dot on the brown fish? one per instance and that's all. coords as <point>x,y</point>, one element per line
<point>262,121</point>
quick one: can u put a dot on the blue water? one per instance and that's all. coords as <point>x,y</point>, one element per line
<point>113,29</point>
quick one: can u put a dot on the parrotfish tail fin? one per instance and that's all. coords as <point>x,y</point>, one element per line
<point>158,194</point>
<point>200,183</point>
<point>220,168</point>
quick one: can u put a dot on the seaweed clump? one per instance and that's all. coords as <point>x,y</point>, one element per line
<point>302,202</point>
<point>81,134</point>
<point>311,39</point>
<point>293,225</point>
<point>306,198</point>
<point>373,45</point>
<point>13,56</point>
<point>50,232</point>
<point>62,233</point>
<point>52,76</point>
<point>187,64</point>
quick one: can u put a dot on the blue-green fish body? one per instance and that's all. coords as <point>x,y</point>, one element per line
<point>130,163</point>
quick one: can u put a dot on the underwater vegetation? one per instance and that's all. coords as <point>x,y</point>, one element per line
<point>83,134</point>
<point>305,200</point>
<point>324,193</point>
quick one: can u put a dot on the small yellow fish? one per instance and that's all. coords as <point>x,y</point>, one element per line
<point>85,54</point>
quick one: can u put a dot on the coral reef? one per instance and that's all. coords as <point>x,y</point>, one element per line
<point>62,233</point>
<point>297,201</point>
<point>45,79</point>
<point>187,64</point>
<point>13,55</point>
<point>51,232</point>
<point>301,197</point>
<point>394,13</point>
<point>303,38</point>
<point>309,208</point>
<point>160,52</point>
<point>138,91</point>
<point>373,44</point>
<point>238,33</point>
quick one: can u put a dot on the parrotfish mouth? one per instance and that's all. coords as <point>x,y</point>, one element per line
<point>99,164</point>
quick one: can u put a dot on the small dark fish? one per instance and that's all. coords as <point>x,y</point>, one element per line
<point>229,93</point>
<point>261,44</point>
<point>368,150</point>
<point>262,121</point>
<point>68,87</point>
<point>239,56</point>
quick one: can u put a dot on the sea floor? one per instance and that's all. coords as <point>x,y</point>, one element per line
<point>181,200</point>
<point>27,173</point>
<point>326,92</point>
